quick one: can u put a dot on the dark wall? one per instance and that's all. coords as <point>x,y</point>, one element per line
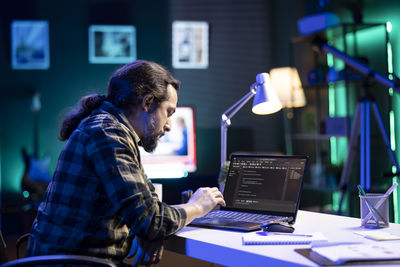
<point>241,40</point>
<point>70,75</point>
<point>241,46</point>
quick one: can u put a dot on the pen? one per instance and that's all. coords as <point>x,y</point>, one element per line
<point>289,234</point>
<point>390,190</point>
<point>264,233</point>
<point>361,190</point>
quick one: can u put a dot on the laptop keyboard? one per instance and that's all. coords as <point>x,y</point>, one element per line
<point>242,216</point>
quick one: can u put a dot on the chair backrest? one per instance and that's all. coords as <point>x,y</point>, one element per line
<point>3,249</point>
<point>48,259</point>
<point>21,240</point>
<point>60,259</point>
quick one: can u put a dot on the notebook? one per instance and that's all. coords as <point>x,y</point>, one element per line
<point>358,252</point>
<point>378,235</point>
<point>265,238</point>
<point>258,188</point>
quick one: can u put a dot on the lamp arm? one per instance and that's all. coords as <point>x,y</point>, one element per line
<point>227,115</point>
<point>240,102</point>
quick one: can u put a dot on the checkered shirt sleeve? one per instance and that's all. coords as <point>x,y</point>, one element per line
<point>99,198</point>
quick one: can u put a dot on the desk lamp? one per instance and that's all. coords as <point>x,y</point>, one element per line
<point>286,82</point>
<point>265,102</point>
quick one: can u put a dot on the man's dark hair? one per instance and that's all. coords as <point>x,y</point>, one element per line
<point>126,88</point>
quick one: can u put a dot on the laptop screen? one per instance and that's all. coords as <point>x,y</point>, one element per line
<point>265,183</point>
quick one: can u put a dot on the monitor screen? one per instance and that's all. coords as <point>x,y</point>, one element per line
<point>175,154</point>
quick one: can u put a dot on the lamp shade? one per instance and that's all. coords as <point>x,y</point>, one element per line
<point>287,84</point>
<point>266,100</point>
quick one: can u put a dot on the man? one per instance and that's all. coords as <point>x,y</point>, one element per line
<point>99,199</point>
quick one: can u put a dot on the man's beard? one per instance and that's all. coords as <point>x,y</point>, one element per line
<point>149,142</point>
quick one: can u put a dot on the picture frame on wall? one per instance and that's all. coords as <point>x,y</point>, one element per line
<point>112,44</point>
<point>190,44</point>
<point>30,44</point>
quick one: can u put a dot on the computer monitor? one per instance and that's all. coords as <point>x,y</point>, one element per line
<point>175,154</point>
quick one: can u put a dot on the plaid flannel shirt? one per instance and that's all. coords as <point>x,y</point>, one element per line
<point>99,198</point>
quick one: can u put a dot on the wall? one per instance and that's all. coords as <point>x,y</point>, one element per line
<point>70,76</point>
<point>241,46</point>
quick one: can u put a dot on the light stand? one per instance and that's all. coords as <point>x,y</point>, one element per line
<point>287,84</point>
<point>361,121</point>
<point>265,102</point>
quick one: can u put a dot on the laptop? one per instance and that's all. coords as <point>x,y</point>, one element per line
<point>258,188</point>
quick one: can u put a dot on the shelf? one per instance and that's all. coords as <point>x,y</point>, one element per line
<point>326,85</point>
<point>346,28</point>
<point>337,31</point>
<point>312,132</point>
<point>316,136</point>
<point>320,189</point>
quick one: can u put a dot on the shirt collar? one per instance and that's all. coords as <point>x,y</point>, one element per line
<point>120,115</point>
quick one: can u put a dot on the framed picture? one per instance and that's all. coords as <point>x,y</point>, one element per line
<point>112,44</point>
<point>189,45</point>
<point>30,44</point>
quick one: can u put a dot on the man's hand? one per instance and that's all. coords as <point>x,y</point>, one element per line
<point>206,198</point>
<point>147,252</point>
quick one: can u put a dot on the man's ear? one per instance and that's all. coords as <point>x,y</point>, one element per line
<point>147,102</point>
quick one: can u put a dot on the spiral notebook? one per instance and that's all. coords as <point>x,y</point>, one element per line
<point>268,238</point>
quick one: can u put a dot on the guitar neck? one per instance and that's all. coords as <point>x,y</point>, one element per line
<point>35,107</point>
<point>36,134</point>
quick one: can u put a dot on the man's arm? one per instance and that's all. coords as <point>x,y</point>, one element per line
<point>116,161</point>
<point>202,202</point>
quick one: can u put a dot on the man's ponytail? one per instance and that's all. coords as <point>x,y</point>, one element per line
<point>86,105</point>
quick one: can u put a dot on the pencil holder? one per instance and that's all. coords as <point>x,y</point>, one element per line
<point>374,211</point>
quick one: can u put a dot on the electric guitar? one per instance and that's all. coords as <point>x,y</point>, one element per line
<point>36,175</point>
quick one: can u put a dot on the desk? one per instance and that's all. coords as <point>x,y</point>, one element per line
<point>225,247</point>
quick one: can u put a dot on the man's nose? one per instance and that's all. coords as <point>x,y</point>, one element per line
<point>167,126</point>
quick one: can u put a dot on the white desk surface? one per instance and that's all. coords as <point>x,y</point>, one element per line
<point>225,247</point>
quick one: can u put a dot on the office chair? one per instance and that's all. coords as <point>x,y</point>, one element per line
<point>3,254</point>
<point>49,259</point>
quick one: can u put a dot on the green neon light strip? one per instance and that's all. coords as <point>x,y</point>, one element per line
<point>332,111</point>
<point>332,108</point>
<point>392,133</point>
<point>392,126</point>
<point>335,200</point>
<point>390,57</point>
<point>388,26</point>
<point>329,60</point>
<point>396,214</point>
<point>334,158</point>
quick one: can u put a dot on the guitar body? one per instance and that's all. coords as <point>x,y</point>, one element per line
<point>35,178</point>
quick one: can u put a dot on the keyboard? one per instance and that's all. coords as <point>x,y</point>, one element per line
<point>243,216</point>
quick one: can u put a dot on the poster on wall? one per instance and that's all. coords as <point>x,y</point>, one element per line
<point>30,44</point>
<point>190,45</point>
<point>112,44</point>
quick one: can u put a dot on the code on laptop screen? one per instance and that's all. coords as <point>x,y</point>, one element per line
<point>264,183</point>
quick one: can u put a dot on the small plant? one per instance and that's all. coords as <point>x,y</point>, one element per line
<point>222,175</point>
